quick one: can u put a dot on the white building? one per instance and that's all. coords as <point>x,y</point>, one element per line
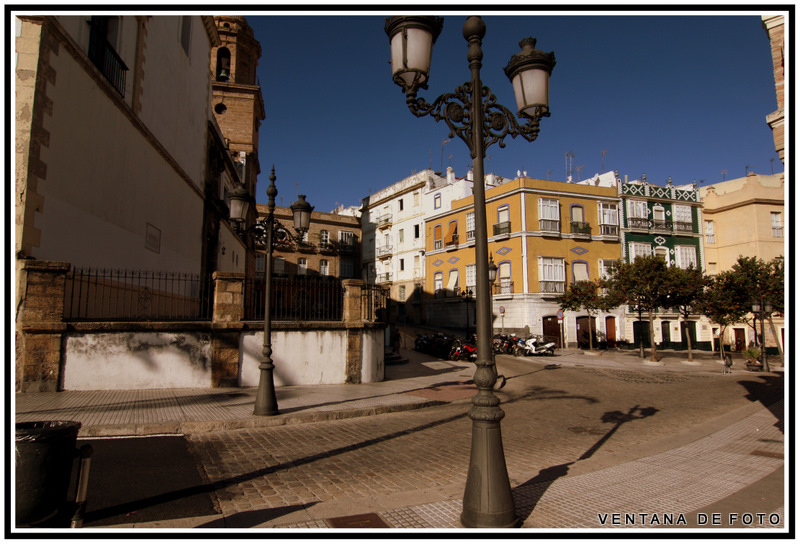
<point>393,226</point>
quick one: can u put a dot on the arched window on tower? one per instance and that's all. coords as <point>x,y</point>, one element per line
<point>223,64</point>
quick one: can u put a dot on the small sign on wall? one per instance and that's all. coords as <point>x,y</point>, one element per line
<point>152,238</point>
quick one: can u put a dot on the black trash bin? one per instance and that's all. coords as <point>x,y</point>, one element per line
<point>44,455</point>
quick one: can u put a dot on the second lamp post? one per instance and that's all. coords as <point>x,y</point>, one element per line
<point>472,113</point>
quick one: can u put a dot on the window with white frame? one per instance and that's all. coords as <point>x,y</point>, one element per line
<point>709,228</point>
<point>639,249</point>
<point>261,259</point>
<point>470,226</point>
<point>504,278</point>
<point>324,268</point>
<point>324,237</point>
<point>662,253</point>
<point>302,267</point>
<point>683,214</point>
<point>437,201</point>
<point>549,219</point>
<point>609,218</point>
<point>777,225</point>
<point>438,282</point>
<point>551,274</point>
<point>347,238</point>
<point>279,265</point>
<point>686,256</point>
<point>469,276</point>
<point>637,208</point>
<point>604,268</point>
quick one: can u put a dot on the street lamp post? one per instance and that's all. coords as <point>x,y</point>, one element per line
<point>466,296</point>
<point>266,402</point>
<point>760,307</point>
<point>472,113</point>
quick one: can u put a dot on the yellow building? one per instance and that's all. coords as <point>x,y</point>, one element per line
<point>744,217</point>
<point>543,235</point>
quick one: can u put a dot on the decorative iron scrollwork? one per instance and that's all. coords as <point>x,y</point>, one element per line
<point>455,109</point>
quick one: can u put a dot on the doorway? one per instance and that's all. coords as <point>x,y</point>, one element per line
<point>582,332</point>
<point>611,331</point>
<point>739,341</point>
<point>551,330</point>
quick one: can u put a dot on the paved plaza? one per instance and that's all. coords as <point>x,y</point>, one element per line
<point>592,441</point>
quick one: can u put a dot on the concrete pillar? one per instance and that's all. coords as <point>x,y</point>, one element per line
<point>227,319</point>
<point>40,325</point>
<point>352,301</point>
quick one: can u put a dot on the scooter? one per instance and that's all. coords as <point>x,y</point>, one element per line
<point>535,345</point>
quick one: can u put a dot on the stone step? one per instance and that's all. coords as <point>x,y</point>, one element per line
<point>390,358</point>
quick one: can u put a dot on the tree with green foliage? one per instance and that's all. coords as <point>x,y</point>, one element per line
<point>643,286</point>
<point>685,288</point>
<point>584,295</point>
<point>723,302</point>
<point>763,281</point>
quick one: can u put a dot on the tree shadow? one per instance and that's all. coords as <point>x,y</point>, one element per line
<point>769,392</point>
<point>528,494</point>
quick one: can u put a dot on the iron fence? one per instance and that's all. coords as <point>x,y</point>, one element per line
<point>135,295</point>
<point>297,298</point>
<point>374,300</point>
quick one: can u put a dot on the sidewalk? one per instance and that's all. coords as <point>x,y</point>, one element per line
<point>719,465</point>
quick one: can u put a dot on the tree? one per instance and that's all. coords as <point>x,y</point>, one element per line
<point>642,285</point>
<point>764,280</point>
<point>723,302</point>
<point>584,295</point>
<point>685,288</point>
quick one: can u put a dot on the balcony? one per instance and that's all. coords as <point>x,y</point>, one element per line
<point>609,230</point>
<point>638,223</point>
<point>580,229</point>
<point>548,286</point>
<point>502,228</point>
<point>452,243</point>
<point>550,227</point>
<point>681,226</point>
<point>383,278</point>
<point>504,287</point>
<point>107,60</point>
<point>662,225</point>
<point>383,251</point>
<point>384,221</point>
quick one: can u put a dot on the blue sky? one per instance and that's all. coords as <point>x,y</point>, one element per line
<point>682,95</point>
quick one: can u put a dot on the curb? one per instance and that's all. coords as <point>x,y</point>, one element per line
<point>194,427</point>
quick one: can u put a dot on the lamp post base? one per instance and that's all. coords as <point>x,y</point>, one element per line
<point>487,496</point>
<point>266,401</point>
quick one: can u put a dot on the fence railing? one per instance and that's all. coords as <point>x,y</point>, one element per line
<point>297,298</point>
<point>135,295</point>
<point>373,302</point>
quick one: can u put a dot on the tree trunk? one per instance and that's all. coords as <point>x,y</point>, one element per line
<point>688,338</point>
<point>721,342</point>
<point>653,350</point>
<point>590,331</point>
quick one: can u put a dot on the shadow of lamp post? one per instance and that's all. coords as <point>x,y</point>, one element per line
<point>472,113</point>
<point>265,232</point>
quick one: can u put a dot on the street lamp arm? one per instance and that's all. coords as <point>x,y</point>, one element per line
<point>455,110</point>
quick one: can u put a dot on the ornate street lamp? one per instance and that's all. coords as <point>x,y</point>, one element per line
<point>466,296</point>
<point>761,307</point>
<point>264,231</point>
<point>472,113</point>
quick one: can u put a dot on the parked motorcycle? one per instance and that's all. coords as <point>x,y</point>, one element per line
<point>535,345</point>
<point>463,351</point>
<point>436,344</point>
<point>504,343</point>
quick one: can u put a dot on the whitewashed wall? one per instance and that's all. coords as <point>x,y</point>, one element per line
<point>162,360</point>
<point>137,360</point>
<point>310,357</point>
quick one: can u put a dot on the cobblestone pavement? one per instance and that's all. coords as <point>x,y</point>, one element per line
<point>569,434</point>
